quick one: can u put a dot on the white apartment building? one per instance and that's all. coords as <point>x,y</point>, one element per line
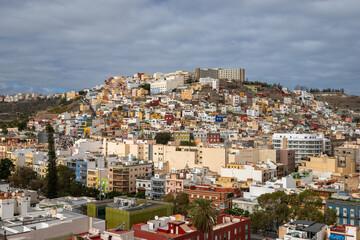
<point>214,83</point>
<point>166,85</point>
<point>305,145</point>
<point>236,74</point>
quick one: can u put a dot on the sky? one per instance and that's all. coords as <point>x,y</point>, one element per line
<point>52,46</point>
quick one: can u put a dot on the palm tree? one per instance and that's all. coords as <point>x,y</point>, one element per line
<point>203,215</point>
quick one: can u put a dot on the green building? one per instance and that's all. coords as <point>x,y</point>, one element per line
<point>181,136</point>
<point>128,210</point>
<point>103,184</point>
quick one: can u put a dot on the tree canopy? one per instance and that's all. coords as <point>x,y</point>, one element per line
<point>51,176</point>
<point>162,138</point>
<point>6,167</point>
<point>180,200</point>
<point>23,177</point>
<point>203,215</point>
<point>275,209</point>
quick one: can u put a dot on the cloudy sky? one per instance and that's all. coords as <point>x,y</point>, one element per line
<point>57,45</point>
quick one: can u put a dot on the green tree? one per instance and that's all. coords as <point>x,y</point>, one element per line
<point>274,209</point>
<point>5,130</point>
<point>113,194</point>
<point>162,138</point>
<point>203,215</point>
<point>6,167</point>
<point>66,177</point>
<point>305,205</point>
<point>145,86</point>
<point>275,205</point>
<point>23,177</point>
<point>51,176</point>
<point>259,221</point>
<point>140,194</point>
<point>180,200</point>
<point>237,212</point>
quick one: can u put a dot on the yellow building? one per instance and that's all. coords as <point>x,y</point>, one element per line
<point>226,182</point>
<point>181,136</point>
<point>84,107</point>
<point>142,92</point>
<point>87,132</point>
<point>71,95</point>
<point>186,74</point>
<point>43,171</point>
<point>155,115</point>
<point>92,178</point>
<point>186,95</point>
<point>324,164</point>
<point>29,160</point>
<point>146,76</point>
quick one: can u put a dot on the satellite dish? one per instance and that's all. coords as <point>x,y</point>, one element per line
<point>156,217</point>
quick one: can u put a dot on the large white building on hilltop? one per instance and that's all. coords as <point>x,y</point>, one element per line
<point>236,74</point>
<point>305,145</point>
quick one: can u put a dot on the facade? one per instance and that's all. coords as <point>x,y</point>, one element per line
<point>349,151</point>
<point>222,197</point>
<point>175,183</point>
<point>81,172</point>
<point>129,211</point>
<point>176,227</point>
<point>305,145</point>
<point>158,186</point>
<point>324,166</point>
<point>122,177</point>
<point>181,136</point>
<point>12,204</point>
<point>246,172</point>
<point>344,231</point>
<point>207,72</point>
<point>236,74</point>
<point>144,184</point>
<point>213,138</point>
<point>348,212</point>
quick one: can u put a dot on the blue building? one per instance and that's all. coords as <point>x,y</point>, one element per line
<point>348,212</point>
<point>219,118</point>
<point>81,171</point>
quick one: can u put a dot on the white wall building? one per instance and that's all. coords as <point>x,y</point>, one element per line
<point>304,144</point>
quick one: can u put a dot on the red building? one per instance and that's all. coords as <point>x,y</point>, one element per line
<point>221,197</point>
<point>169,118</point>
<point>176,227</point>
<point>213,137</point>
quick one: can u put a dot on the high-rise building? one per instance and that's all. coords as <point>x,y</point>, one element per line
<point>237,74</point>
<point>305,145</point>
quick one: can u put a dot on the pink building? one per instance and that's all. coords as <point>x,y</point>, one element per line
<point>176,183</point>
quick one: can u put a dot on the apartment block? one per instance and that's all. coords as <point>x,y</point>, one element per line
<point>236,74</point>
<point>305,145</point>
<point>122,175</point>
<point>325,166</point>
<point>221,197</point>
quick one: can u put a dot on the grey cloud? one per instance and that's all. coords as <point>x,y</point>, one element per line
<point>76,44</point>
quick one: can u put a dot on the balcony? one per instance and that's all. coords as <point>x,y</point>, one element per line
<point>121,185</point>
<point>121,178</point>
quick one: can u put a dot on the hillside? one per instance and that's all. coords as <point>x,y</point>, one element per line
<point>39,109</point>
<point>12,111</point>
<point>340,100</point>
